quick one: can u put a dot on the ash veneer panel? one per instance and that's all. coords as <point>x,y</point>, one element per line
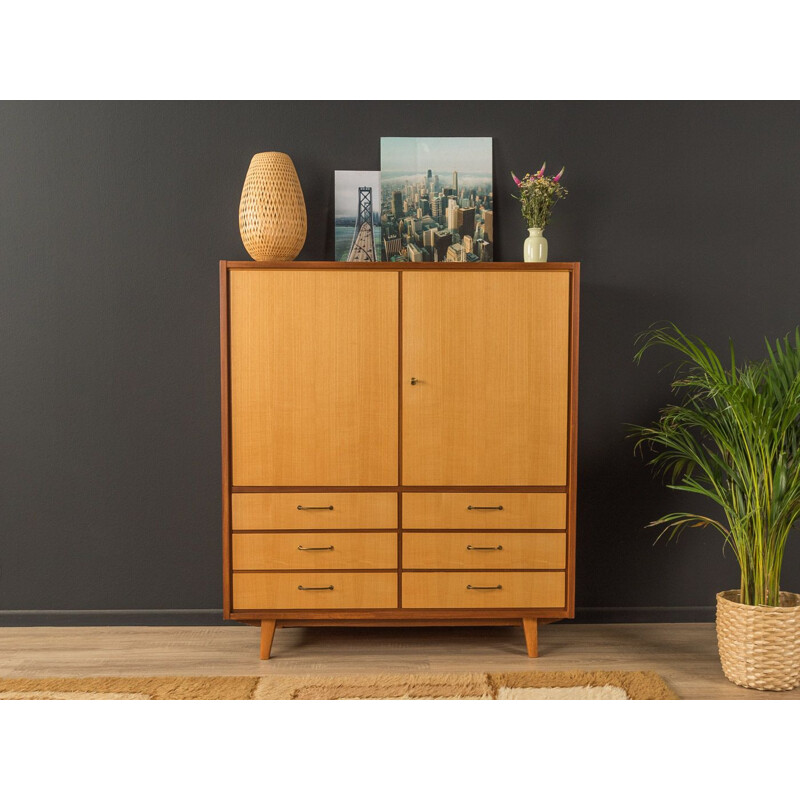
<point>279,510</point>
<point>539,511</point>
<point>490,352</point>
<point>263,590</point>
<point>477,550</point>
<point>450,590</point>
<point>313,551</point>
<point>313,371</point>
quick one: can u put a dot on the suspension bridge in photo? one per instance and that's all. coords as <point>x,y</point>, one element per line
<point>363,246</point>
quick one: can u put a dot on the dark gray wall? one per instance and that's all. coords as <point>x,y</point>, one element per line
<point>113,217</point>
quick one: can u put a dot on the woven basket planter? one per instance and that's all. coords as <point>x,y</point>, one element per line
<point>272,211</point>
<point>759,646</point>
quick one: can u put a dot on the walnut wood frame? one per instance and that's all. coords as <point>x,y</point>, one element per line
<point>528,618</point>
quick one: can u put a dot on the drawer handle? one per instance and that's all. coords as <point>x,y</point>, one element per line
<point>315,588</point>
<point>472,547</point>
<point>499,586</point>
<point>329,547</point>
<point>484,508</point>
<point>315,508</point>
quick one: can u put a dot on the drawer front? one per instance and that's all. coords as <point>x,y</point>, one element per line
<point>311,551</point>
<point>504,550</point>
<point>260,590</point>
<point>313,510</point>
<point>482,510</point>
<point>449,590</point>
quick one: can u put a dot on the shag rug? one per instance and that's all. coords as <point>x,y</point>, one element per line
<point>432,686</point>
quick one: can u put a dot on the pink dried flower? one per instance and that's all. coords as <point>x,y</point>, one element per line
<point>537,196</point>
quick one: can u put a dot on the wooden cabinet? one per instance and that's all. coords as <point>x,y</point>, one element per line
<point>398,443</point>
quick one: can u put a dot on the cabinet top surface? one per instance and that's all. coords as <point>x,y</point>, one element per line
<point>389,266</point>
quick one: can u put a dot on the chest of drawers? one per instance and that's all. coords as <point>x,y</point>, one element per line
<point>398,443</point>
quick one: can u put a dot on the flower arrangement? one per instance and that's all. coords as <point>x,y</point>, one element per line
<point>537,195</point>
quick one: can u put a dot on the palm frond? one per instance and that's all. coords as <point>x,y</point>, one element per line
<point>732,435</point>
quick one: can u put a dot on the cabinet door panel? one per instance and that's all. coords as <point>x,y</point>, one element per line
<point>313,377</point>
<point>490,355</point>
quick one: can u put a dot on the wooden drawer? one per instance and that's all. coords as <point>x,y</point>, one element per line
<point>260,590</point>
<point>279,510</point>
<point>311,551</point>
<point>478,550</point>
<point>449,590</point>
<point>451,510</point>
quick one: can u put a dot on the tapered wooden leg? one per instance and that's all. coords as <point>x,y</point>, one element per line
<point>531,627</point>
<point>267,632</point>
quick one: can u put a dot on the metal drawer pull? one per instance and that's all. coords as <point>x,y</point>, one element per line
<point>315,588</point>
<point>484,508</point>
<point>329,547</point>
<point>315,508</point>
<point>499,586</point>
<point>414,381</point>
<point>471,547</point>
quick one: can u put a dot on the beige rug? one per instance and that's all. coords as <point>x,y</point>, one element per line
<point>431,686</point>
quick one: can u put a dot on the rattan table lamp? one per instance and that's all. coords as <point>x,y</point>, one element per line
<point>272,211</point>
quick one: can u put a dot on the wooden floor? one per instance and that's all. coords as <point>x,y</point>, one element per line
<point>685,655</point>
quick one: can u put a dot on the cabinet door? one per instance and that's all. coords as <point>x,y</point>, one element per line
<point>313,375</point>
<point>489,352</point>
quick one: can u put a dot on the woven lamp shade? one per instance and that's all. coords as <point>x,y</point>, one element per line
<point>272,212</point>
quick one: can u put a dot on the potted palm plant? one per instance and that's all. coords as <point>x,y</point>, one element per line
<point>733,435</point>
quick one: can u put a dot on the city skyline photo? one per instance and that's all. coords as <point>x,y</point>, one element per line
<point>436,201</point>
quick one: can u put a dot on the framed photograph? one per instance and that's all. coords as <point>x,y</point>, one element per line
<point>357,233</point>
<point>436,199</point>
